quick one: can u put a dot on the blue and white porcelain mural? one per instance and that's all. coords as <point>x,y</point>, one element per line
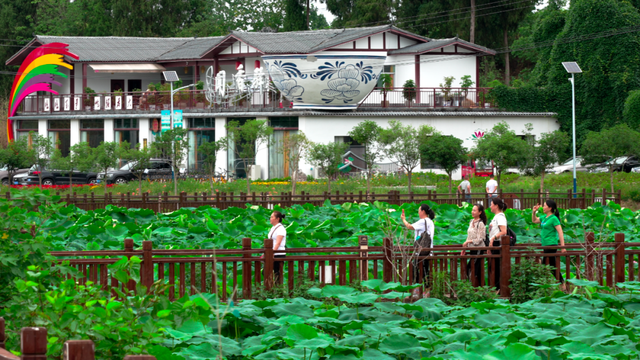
<point>331,82</point>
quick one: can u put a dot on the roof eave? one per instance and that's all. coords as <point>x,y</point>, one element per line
<point>21,51</point>
<point>469,46</point>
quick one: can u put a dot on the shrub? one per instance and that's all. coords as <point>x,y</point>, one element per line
<point>465,293</point>
<point>528,280</point>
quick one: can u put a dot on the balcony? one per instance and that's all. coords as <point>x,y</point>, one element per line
<point>253,101</point>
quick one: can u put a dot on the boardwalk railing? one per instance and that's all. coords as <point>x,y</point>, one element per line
<point>237,273</point>
<point>166,203</point>
<point>33,346</point>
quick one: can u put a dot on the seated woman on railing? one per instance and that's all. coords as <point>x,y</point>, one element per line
<point>551,232</point>
<point>476,234</point>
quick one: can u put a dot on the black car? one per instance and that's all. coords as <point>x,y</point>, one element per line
<point>57,177</point>
<point>158,169</point>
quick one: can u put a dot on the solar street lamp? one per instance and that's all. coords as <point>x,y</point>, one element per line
<point>171,77</point>
<point>573,68</point>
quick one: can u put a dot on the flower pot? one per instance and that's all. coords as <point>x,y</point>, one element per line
<point>487,105</point>
<point>152,107</point>
<point>87,108</point>
<point>384,103</point>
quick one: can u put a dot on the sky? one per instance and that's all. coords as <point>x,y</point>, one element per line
<point>322,9</point>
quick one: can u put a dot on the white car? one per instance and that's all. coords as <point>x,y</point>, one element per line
<point>567,166</point>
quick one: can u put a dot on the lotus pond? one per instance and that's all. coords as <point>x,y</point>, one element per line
<point>307,225</point>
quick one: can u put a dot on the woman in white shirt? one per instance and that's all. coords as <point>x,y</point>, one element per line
<point>497,229</point>
<point>426,215</point>
<point>278,234</point>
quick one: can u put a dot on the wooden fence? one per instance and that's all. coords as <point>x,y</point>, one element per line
<point>166,203</point>
<point>33,346</point>
<point>237,273</point>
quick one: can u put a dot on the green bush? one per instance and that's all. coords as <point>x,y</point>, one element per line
<point>631,112</point>
<point>465,293</point>
<point>529,281</point>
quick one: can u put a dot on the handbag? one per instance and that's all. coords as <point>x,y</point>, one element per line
<point>424,241</point>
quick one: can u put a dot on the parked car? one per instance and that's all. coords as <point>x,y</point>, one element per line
<point>57,177</point>
<point>158,169</point>
<point>4,175</point>
<point>623,163</point>
<point>567,166</point>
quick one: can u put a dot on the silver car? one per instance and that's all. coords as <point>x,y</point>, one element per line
<point>567,166</point>
<point>4,175</point>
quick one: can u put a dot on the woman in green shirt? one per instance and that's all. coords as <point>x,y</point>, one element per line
<point>551,231</point>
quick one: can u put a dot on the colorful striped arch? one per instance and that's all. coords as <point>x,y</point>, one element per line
<point>37,73</point>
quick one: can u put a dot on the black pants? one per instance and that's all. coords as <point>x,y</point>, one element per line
<point>277,268</point>
<point>497,262</point>
<point>424,264</point>
<point>476,264</point>
<point>552,263</point>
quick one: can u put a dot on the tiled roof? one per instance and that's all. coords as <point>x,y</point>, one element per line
<point>114,48</point>
<point>439,43</point>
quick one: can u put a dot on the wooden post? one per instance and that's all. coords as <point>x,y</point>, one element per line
<point>128,247</point>
<point>363,240</point>
<point>604,196</point>
<point>618,197</point>
<point>147,265</point>
<point>3,337</point>
<point>619,266</point>
<point>268,264</point>
<point>539,196</point>
<point>505,266</point>
<point>387,268</point>
<point>593,196</point>
<point>583,202</point>
<point>33,343</point>
<point>246,269</point>
<point>588,240</point>
<point>182,199</point>
<point>78,350</point>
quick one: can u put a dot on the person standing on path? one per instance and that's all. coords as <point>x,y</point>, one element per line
<point>497,229</point>
<point>279,236</point>
<point>465,188</point>
<point>492,189</point>
<point>476,234</point>
<point>426,215</point>
<point>551,232</point>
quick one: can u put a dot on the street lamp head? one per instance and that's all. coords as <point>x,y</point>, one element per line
<point>572,67</point>
<point>170,76</point>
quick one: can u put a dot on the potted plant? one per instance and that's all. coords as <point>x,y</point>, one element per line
<point>117,94</point>
<point>446,89</point>
<point>151,96</point>
<point>409,91</point>
<point>200,97</point>
<point>465,84</point>
<point>137,98</point>
<point>385,83</point>
<point>88,100</point>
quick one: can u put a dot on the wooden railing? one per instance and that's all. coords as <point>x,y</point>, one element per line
<point>236,273</point>
<point>167,203</point>
<point>33,346</point>
<point>425,98</point>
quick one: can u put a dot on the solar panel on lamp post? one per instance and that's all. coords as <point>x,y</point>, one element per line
<point>171,77</point>
<point>573,68</point>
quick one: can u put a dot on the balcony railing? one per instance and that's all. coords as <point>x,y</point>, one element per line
<point>195,100</point>
<point>428,98</point>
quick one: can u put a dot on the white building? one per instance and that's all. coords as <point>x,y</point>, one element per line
<point>326,79</point>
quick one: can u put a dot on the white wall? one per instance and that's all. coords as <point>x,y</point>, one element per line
<point>323,130</point>
<point>101,81</point>
<point>144,132</point>
<point>221,131</point>
<point>434,68</point>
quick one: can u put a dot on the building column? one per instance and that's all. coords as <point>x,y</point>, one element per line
<point>109,134</point>
<point>262,156</point>
<point>74,132</point>
<point>221,131</point>
<point>72,80</point>
<point>417,75</point>
<point>42,128</point>
<point>144,134</point>
<point>84,76</point>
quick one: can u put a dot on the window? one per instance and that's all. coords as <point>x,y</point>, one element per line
<point>25,127</point>
<point>92,132</point>
<point>126,130</point>
<point>60,135</point>
<point>284,122</point>
<point>201,130</point>
<point>235,165</point>
<point>388,69</point>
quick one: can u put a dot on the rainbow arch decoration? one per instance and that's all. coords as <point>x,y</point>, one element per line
<point>37,73</point>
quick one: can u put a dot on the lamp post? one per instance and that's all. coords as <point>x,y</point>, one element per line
<point>171,77</point>
<point>573,68</point>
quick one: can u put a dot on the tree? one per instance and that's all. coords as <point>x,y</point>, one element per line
<point>294,147</point>
<point>502,146</point>
<point>42,147</point>
<point>245,141</point>
<point>139,161</point>
<point>552,149</point>
<point>446,151</point>
<point>327,157</point>
<point>609,144</point>
<point>366,133</point>
<point>294,16</point>
<point>16,156</point>
<point>210,152</point>
<point>631,112</point>
<point>107,155</point>
<point>172,145</point>
<point>402,144</point>
<point>355,13</point>
<point>80,158</point>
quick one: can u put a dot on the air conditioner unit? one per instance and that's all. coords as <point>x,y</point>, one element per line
<point>255,172</point>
